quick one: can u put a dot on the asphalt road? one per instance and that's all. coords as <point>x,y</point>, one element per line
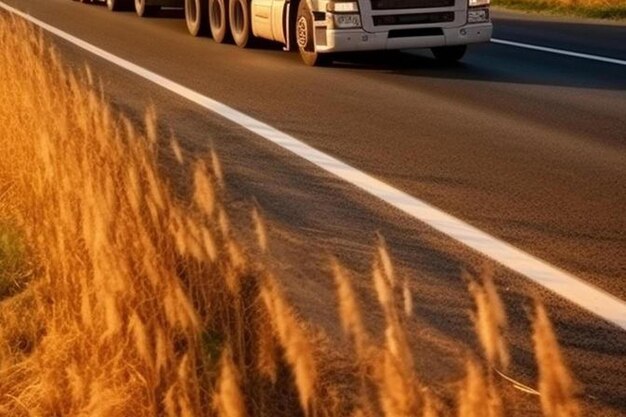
<point>526,145</point>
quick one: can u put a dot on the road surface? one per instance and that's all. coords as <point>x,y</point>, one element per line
<point>527,146</point>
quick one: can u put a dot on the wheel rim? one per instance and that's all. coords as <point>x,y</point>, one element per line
<point>302,32</point>
<point>238,21</point>
<point>215,14</point>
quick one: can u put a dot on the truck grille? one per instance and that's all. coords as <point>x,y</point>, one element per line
<point>410,4</point>
<point>410,19</point>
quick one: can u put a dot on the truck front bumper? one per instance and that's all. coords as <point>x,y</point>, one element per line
<point>344,40</point>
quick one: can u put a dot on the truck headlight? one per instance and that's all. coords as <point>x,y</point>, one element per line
<point>342,6</point>
<point>476,3</point>
<point>346,21</point>
<point>478,15</point>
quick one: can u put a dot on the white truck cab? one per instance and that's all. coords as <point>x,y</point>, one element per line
<point>447,26</point>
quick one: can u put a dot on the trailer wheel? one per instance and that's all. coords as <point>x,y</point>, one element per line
<point>144,10</point>
<point>118,5</point>
<point>305,39</point>
<point>196,16</point>
<point>218,19</point>
<point>449,54</point>
<point>240,22</point>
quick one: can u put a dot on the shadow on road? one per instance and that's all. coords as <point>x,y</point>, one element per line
<point>494,63</point>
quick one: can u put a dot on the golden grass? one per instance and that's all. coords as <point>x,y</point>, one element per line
<point>579,3</point>
<point>144,304</point>
<point>589,3</point>
<point>139,293</point>
<point>601,9</point>
<point>14,270</point>
<point>556,384</point>
<point>490,320</point>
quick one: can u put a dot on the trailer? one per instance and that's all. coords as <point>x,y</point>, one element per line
<point>144,8</point>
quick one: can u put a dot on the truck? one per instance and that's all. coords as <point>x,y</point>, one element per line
<point>320,29</point>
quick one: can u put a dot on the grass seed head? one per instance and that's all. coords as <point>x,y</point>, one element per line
<point>490,321</point>
<point>228,399</point>
<point>349,311</point>
<point>556,384</point>
<point>259,229</point>
<point>385,261</point>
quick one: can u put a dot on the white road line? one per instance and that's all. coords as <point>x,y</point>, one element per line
<point>568,286</point>
<point>560,51</point>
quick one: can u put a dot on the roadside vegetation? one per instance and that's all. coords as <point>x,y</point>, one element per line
<point>597,9</point>
<point>13,268</point>
<point>144,302</point>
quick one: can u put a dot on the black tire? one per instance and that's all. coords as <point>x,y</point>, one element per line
<point>218,20</point>
<point>143,10</point>
<point>449,54</point>
<point>305,38</point>
<point>118,5</point>
<point>196,17</point>
<point>240,22</point>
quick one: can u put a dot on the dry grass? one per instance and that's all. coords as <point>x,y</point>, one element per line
<point>490,320</point>
<point>144,304</point>
<point>14,271</point>
<point>601,9</point>
<point>139,293</point>
<point>588,3</point>
<point>556,384</point>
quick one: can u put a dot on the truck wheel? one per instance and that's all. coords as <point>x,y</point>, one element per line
<point>143,10</point>
<point>117,5</point>
<point>218,19</point>
<point>240,22</point>
<point>305,39</point>
<point>449,54</point>
<point>196,16</point>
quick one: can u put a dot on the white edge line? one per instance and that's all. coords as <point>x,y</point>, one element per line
<point>560,282</point>
<point>560,51</point>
